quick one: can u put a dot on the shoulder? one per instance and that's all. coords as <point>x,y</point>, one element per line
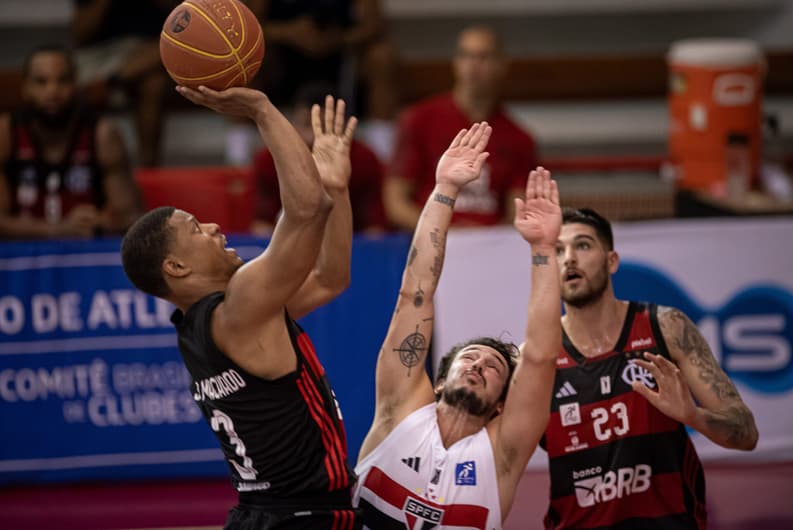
<point>671,318</point>
<point>681,335</point>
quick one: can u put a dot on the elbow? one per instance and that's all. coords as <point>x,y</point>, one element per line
<point>540,354</point>
<point>341,283</point>
<point>318,207</point>
<point>750,441</point>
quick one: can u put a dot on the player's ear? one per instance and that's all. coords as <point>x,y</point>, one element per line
<point>613,261</point>
<point>174,268</point>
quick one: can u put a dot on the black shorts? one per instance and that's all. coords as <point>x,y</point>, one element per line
<point>246,517</point>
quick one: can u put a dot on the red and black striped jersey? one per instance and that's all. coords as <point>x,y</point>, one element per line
<point>616,462</point>
<point>43,189</point>
<point>283,438</point>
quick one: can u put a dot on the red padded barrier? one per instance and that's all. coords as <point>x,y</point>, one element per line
<point>222,195</point>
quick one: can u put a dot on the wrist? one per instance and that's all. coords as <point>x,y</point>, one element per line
<point>446,188</point>
<point>696,419</point>
<point>546,249</point>
<point>337,190</point>
<point>261,110</point>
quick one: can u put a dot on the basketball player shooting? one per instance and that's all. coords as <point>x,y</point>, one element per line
<point>255,375</point>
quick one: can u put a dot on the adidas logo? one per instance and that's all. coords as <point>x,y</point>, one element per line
<point>566,390</point>
<point>412,462</point>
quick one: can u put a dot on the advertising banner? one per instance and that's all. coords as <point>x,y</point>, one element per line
<point>731,277</point>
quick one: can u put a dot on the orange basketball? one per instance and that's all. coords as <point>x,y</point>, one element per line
<point>215,43</point>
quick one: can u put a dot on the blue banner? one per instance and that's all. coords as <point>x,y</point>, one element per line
<point>92,385</point>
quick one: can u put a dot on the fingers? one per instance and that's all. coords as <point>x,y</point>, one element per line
<point>530,184</point>
<point>458,139</point>
<point>208,92</point>
<point>646,393</point>
<point>193,95</point>
<point>328,113</point>
<point>467,138</point>
<point>546,184</point>
<point>520,206</point>
<point>480,161</point>
<point>476,134</point>
<point>349,132</point>
<point>484,138</point>
<point>338,122</point>
<point>664,365</point>
<point>316,124</point>
<point>540,185</point>
<point>650,367</point>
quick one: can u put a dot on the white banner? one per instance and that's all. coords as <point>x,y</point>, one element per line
<point>733,278</point>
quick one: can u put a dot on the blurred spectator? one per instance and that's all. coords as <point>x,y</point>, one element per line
<point>64,171</point>
<point>425,128</point>
<point>365,180</point>
<point>339,42</point>
<point>118,44</point>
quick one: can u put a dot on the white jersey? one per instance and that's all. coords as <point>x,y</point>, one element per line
<point>410,481</point>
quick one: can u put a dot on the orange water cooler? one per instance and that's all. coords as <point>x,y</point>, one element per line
<point>715,106</point>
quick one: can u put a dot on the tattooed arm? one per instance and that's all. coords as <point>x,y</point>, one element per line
<point>402,384</point>
<point>518,429</point>
<point>721,414</point>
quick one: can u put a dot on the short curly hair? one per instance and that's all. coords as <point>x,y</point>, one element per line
<point>144,248</point>
<point>508,351</point>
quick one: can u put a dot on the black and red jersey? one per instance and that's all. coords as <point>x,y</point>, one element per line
<point>45,189</point>
<point>282,438</point>
<point>616,462</point>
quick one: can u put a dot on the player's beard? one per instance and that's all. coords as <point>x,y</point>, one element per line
<point>464,399</point>
<point>597,285</point>
<point>58,119</point>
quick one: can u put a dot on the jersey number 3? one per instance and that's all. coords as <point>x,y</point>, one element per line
<point>221,421</point>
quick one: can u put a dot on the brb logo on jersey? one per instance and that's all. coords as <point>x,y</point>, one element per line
<point>465,473</point>
<point>592,486</point>
<point>751,334</point>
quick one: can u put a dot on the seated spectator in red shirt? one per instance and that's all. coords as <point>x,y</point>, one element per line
<point>365,181</point>
<point>425,128</point>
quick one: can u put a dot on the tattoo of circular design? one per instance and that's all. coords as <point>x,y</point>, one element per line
<point>411,349</point>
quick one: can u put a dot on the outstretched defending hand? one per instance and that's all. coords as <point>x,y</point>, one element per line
<point>538,217</point>
<point>463,160</point>
<point>236,101</point>
<point>331,149</point>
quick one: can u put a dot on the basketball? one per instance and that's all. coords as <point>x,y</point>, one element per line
<point>215,43</point>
